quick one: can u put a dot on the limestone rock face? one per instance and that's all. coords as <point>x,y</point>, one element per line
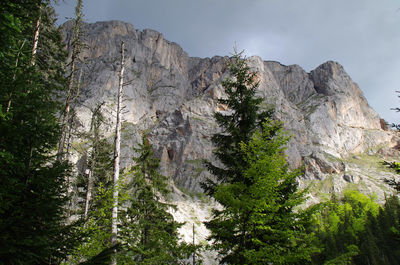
<point>172,97</point>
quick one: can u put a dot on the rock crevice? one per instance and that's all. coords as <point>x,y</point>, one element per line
<point>172,97</point>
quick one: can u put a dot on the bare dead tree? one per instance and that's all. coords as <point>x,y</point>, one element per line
<point>72,91</point>
<point>35,40</point>
<point>117,152</point>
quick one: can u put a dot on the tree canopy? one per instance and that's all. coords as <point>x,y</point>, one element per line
<point>258,223</point>
<point>32,184</point>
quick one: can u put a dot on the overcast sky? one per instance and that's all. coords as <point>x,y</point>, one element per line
<point>362,35</point>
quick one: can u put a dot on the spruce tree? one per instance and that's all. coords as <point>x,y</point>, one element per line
<point>32,184</point>
<point>96,229</point>
<point>237,124</point>
<point>243,118</point>
<point>356,230</point>
<point>94,187</point>
<point>148,231</point>
<point>261,222</point>
<point>279,227</point>
<point>258,223</point>
<point>99,160</point>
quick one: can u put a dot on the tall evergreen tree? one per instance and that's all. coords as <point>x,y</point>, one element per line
<point>238,124</point>
<point>96,229</point>
<point>243,118</point>
<point>148,231</point>
<point>99,160</point>
<point>258,193</point>
<point>279,227</point>
<point>32,184</point>
<point>95,187</point>
<point>261,222</point>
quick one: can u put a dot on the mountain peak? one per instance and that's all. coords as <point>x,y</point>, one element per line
<point>172,97</point>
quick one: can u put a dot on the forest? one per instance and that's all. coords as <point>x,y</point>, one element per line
<point>51,215</point>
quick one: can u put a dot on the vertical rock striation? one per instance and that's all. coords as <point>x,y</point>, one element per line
<point>336,136</point>
<point>172,97</point>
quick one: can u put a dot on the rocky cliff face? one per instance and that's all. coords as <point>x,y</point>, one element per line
<point>336,135</point>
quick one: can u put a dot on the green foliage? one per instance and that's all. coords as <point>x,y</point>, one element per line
<point>238,124</point>
<point>103,258</point>
<point>97,151</point>
<point>258,223</point>
<point>393,182</point>
<point>97,224</point>
<point>355,230</point>
<point>279,230</point>
<point>97,228</point>
<point>147,230</point>
<point>32,184</point>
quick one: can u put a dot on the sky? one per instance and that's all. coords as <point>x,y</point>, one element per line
<point>362,35</point>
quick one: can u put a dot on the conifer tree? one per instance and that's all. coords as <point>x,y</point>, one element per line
<point>96,229</point>
<point>73,87</point>
<point>97,190</point>
<point>258,223</point>
<point>99,160</point>
<point>243,118</point>
<point>32,184</point>
<point>279,233</point>
<point>356,230</point>
<point>148,231</point>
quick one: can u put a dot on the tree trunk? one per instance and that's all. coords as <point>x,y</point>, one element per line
<point>76,49</point>
<point>34,51</point>
<point>35,41</point>
<point>92,161</point>
<point>66,135</point>
<point>194,252</point>
<point>65,115</point>
<point>14,75</point>
<point>68,143</point>
<point>88,192</point>
<point>117,145</point>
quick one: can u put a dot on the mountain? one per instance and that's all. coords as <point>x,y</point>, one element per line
<point>338,138</point>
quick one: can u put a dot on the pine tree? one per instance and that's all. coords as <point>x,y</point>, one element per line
<point>96,229</point>
<point>279,234</point>
<point>95,189</point>
<point>243,118</point>
<point>148,230</point>
<point>238,124</point>
<point>32,184</point>
<point>379,241</point>
<point>258,223</point>
<point>99,160</point>
<point>261,222</point>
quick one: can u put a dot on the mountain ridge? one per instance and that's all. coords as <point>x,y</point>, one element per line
<point>325,103</point>
<point>337,137</point>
